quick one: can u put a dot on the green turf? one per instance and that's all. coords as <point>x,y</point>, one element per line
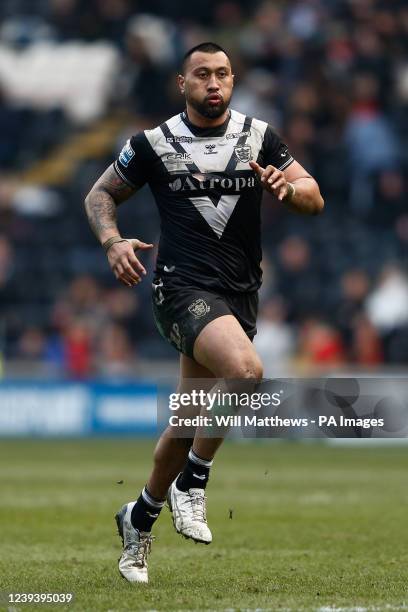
<point>312,527</point>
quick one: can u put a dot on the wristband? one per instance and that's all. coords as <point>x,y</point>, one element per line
<point>110,241</point>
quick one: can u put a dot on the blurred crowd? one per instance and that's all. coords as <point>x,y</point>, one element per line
<point>330,75</point>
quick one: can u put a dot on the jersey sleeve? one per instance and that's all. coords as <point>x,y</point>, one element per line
<point>133,164</point>
<point>274,151</point>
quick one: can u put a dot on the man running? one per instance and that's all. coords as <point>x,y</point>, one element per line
<point>206,167</point>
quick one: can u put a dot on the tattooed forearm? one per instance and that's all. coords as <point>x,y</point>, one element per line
<point>101,210</point>
<point>101,203</point>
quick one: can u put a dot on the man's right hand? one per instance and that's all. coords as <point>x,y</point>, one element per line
<point>124,263</point>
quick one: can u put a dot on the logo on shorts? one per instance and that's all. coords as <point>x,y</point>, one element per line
<point>199,308</point>
<point>175,336</point>
<point>158,294</point>
<point>243,153</point>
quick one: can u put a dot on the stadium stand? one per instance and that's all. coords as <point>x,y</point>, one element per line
<point>77,78</point>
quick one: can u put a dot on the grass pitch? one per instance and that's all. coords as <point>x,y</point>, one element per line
<point>312,528</point>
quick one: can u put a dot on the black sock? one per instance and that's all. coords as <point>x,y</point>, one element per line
<point>146,511</point>
<point>195,474</point>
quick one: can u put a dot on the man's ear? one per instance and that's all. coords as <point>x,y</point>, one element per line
<point>180,82</point>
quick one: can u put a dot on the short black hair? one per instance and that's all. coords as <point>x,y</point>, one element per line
<point>205,47</point>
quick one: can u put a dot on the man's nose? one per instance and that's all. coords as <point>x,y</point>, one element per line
<point>213,83</point>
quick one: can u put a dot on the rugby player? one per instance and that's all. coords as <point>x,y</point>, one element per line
<point>206,167</point>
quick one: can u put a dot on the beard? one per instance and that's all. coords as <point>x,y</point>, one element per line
<point>208,110</point>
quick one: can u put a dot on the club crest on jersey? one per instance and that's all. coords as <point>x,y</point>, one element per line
<point>199,308</point>
<point>243,153</point>
<point>126,154</point>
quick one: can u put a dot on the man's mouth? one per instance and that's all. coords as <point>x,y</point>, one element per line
<point>214,99</point>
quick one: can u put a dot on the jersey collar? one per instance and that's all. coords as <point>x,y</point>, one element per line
<point>205,132</point>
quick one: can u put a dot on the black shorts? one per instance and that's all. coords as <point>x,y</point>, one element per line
<point>182,312</point>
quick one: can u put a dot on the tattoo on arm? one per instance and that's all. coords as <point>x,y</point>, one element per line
<point>111,182</point>
<point>100,204</point>
<point>101,210</point>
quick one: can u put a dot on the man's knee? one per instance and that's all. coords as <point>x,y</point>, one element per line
<point>245,366</point>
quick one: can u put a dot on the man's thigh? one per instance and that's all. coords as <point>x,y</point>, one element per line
<point>189,368</point>
<point>194,376</point>
<point>224,349</point>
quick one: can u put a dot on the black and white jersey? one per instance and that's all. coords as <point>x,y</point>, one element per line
<point>208,197</point>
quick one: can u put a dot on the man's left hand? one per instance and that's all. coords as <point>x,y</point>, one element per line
<point>272,180</point>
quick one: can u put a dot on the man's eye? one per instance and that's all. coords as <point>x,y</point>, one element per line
<point>202,75</point>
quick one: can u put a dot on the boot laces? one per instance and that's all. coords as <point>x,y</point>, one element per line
<point>141,550</point>
<point>198,506</point>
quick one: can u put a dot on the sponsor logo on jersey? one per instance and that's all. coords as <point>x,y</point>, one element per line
<point>237,135</point>
<point>199,308</point>
<point>243,153</point>
<point>187,139</point>
<point>126,154</point>
<point>234,184</point>
<point>210,149</point>
<point>174,158</point>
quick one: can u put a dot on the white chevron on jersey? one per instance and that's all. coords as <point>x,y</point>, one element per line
<point>195,147</point>
<point>216,217</point>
